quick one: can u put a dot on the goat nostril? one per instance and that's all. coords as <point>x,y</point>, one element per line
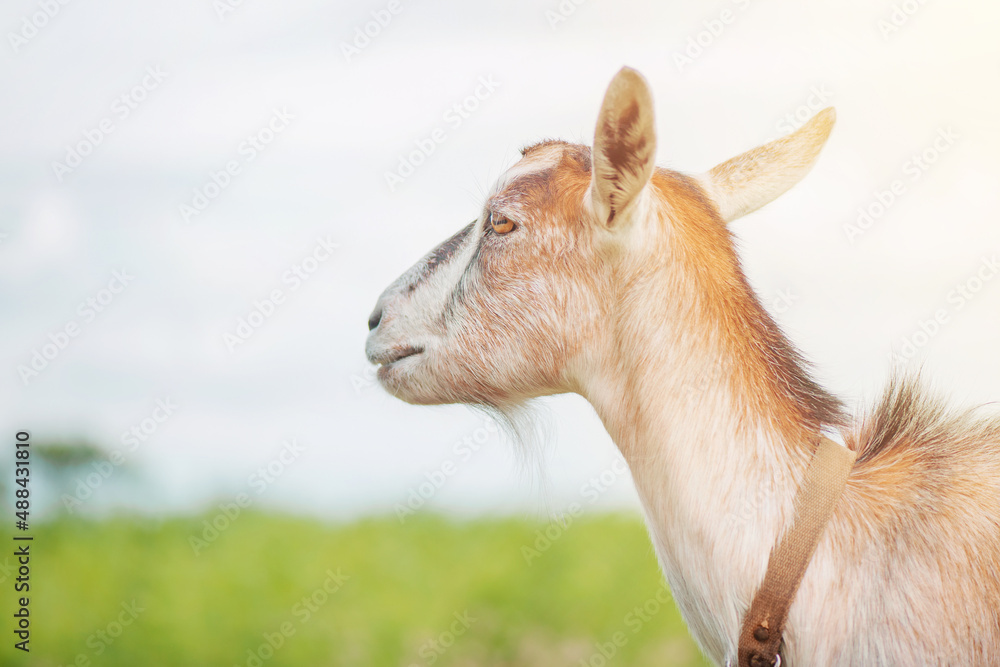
<point>374,318</point>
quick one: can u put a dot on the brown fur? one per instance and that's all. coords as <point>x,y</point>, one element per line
<point>773,372</point>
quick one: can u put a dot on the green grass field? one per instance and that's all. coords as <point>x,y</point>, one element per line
<point>276,590</point>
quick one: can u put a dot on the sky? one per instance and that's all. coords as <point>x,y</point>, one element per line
<point>200,202</point>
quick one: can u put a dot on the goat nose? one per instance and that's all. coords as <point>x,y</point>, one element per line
<point>375,318</point>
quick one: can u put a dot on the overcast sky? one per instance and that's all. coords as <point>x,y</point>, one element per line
<point>176,163</point>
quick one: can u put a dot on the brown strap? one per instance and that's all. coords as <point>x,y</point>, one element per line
<point>760,637</point>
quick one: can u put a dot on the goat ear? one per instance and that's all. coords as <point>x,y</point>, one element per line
<point>624,146</point>
<point>748,181</point>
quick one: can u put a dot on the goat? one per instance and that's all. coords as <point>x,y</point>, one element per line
<point>593,271</point>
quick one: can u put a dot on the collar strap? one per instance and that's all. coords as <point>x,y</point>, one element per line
<point>822,486</point>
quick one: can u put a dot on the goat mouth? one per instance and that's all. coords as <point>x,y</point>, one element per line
<point>398,354</point>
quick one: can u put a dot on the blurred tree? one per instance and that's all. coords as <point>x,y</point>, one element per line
<point>63,463</point>
<point>62,456</point>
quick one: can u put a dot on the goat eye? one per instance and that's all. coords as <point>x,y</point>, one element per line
<point>500,224</point>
